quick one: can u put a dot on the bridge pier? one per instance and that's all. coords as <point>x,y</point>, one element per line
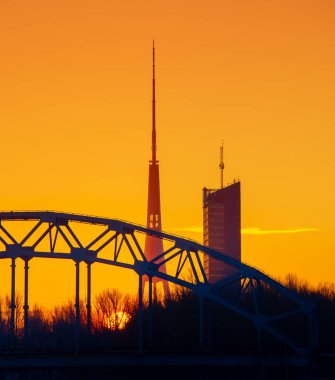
<point>77,328</point>
<point>140,314</point>
<point>12,306</point>
<point>88,305</point>
<point>26,300</point>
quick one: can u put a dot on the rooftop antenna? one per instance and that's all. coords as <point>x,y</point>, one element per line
<point>221,166</point>
<point>154,146</point>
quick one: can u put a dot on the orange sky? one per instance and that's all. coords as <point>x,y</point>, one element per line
<point>75,117</point>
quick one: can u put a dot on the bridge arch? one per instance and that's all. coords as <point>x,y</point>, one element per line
<point>122,247</point>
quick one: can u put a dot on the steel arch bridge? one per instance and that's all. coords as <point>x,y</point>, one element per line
<point>53,235</point>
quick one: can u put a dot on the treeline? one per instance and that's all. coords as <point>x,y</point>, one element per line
<point>175,323</point>
<point>54,329</point>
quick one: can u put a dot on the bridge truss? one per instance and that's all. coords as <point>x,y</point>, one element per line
<point>55,235</point>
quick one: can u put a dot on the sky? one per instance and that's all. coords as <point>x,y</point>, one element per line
<point>75,119</point>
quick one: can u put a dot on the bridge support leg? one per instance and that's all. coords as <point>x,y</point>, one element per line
<point>150,314</point>
<point>140,312</point>
<point>26,301</point>
<point>12,306</point>
<point>155,292</point>
<point>210,325</point>
<point>77,309</point>
<point>259,340</point>
<point>201,323</point>
<point>312,332</point>
<point>88,305</point>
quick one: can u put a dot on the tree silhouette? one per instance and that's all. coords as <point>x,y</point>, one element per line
<point>113,310</point>
<point>175,322</point>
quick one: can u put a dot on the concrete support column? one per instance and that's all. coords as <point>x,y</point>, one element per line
<point>77,332</point>
<point>26,300</point>
<point>12,306</point>
<point>140,314</point>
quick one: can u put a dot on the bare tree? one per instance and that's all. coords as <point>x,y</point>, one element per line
<point>2,322</point>
<point>113,310</point>
<point>39,320</point>
<point>64,314</point>
<point>18,314</point>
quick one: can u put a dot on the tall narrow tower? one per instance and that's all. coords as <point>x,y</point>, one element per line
<point>154,245</point>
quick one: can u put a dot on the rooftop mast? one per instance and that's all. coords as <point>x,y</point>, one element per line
<point>221,166</point>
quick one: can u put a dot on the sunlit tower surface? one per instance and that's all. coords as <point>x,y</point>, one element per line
<point>222,225</point>
<point>154,245</point>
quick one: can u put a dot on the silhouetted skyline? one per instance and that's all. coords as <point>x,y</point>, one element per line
<point>75,110</point>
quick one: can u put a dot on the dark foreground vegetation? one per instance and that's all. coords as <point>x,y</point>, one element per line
<point>175,324</point>
<point>175,328</point>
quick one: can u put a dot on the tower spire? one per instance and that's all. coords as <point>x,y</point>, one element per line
<point>221,165</point>
<point>154,245</point>
<point>154,146</point>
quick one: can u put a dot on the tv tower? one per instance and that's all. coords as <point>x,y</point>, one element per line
<point>154,245</point>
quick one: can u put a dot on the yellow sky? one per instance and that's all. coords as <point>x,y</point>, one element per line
<point>75,119</point>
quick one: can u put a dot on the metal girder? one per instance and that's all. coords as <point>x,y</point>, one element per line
<point>183,255</point>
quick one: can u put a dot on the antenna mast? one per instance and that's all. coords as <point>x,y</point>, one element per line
<point>154,146</point>
<point>221,166</point>
<point>153,245</point>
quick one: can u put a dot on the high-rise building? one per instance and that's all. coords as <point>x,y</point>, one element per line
<point>222,226</point>
<point>154,245</point>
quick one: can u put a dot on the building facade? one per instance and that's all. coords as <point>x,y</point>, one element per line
<point>222,228</point>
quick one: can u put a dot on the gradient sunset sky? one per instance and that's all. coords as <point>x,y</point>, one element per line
<point>75,118</point>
